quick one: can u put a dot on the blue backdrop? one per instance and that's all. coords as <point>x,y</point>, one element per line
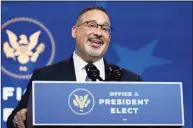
<point>153,39</point>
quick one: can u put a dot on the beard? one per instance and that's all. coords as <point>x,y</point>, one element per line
<point>95,51</point>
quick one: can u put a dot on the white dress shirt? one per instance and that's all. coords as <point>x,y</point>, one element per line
<point>79,66</point>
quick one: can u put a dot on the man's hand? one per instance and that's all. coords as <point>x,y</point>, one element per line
<point>20,117</point>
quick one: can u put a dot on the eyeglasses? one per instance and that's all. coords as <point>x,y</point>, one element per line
<point>94,26</point>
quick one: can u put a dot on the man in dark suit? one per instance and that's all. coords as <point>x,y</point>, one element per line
<point>92,33</point>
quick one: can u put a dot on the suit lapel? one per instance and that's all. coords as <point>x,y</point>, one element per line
<point>68,70</point>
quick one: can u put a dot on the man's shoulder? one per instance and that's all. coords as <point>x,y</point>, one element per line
<point>132,75</point>
<point>51,71</point>
<point>54,66</point>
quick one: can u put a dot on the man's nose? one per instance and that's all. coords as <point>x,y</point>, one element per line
<point>98,31</point>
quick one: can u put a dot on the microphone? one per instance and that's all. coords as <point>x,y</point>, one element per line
<point>92,72</point>
<point>114,73</point>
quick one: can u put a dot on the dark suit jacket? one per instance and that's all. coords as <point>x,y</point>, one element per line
<point>62,71</point>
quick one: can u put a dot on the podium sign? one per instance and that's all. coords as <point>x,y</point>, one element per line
<point>107,103</point>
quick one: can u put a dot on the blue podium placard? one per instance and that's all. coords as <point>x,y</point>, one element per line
<point>107,103</point>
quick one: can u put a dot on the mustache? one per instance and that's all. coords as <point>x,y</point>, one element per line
<point>96,39</point>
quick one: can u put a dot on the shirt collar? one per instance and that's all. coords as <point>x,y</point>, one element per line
<point>79,63</point>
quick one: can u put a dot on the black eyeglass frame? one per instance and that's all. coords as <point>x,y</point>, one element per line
<point>86,22</point>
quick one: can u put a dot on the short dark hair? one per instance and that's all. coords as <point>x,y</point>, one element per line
<point>89,9</point>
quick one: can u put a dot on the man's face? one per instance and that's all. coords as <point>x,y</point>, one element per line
<point>92,41</point>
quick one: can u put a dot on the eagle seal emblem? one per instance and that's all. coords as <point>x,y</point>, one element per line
<point>22,49</point>
<point>81,101</point>
<point>24,42</point>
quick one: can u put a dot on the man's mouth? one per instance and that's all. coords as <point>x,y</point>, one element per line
<point>95,42</point>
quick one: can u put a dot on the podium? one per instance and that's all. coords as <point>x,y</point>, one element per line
<point>115,104</point>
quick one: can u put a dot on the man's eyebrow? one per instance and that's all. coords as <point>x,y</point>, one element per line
<point>93,20</point>
<point>106,23</point>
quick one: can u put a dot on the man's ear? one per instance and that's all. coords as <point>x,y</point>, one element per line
<point>74,31</point>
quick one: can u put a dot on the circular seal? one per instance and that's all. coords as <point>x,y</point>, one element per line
<point>26,44</point>
<point>81,101</point>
